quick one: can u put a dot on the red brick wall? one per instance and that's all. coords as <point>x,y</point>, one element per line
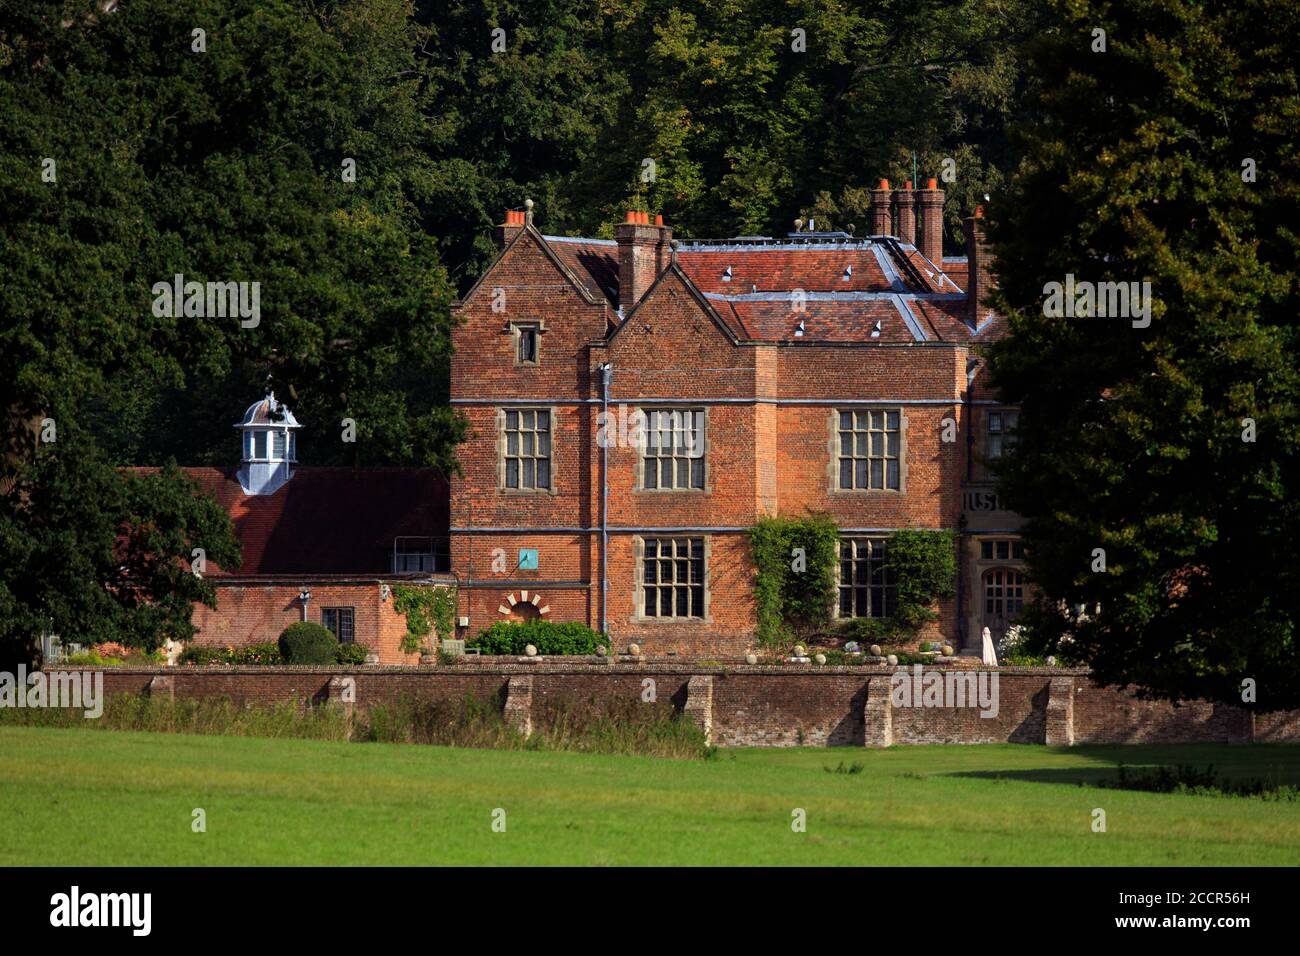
<point>761,457</point>
<point>1107,715</point>
<point>759,706</point>
<point>256,614</point>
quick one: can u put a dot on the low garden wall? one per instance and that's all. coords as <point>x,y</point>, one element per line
<point>748,705</point>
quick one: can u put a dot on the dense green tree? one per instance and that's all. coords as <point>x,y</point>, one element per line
<point>750,124</point>
<point>1173,157</point>
<point>220,160</point>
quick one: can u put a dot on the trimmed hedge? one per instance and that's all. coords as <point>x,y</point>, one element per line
<point>549,637</point>
<point>264,654</point>
<point>352,653</point>
<point>307,642</point>
<point>254,654</point>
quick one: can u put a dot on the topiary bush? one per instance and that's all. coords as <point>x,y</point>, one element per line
<point>307,642</point>
<point>549,637</point>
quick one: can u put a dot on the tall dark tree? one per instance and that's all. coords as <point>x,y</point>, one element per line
<point>1164,147</point>
<point>212,140</point>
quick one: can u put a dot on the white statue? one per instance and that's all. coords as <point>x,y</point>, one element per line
<point>172,650</point>
<point>989,654</point>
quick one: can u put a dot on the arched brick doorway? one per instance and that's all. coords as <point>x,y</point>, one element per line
<point>523,606</point>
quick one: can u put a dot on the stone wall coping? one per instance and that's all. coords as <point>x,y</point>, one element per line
<point>574,667</point>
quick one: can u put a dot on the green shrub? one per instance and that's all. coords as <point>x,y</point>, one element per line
<point>268,653</point>
<point>307,642</point>
<point>871,630</point>
<point>924,565</point>
<point>254,654</point>
<point>428,610</point>
<point>843,658</point>
<point>352,653</point>
<point>205,655</point>
<point>549,637</point>
<point>910,659</point>
<point>93,659</point>
<point>793,590</point>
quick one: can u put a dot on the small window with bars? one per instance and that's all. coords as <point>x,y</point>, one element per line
<point>527,450</point>
<point>1002,550</point>
<point>870,450</point>
<point>672,578</point>
<point>526,340</point>
<point>867,586</point>
<point>1001,432</point>
<point>341,622</point>
<point>674,449</point>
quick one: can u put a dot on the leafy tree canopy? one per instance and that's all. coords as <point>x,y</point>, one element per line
<point>1170,451</point>
<point>132,149</point>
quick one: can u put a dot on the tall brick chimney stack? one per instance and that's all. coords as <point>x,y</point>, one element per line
<point>979,277</point>
<point>639,252</point>
<point>905,213</point>
<point>930,227</point>
<point>507,230</point>
<point>880,224</point>
<point>663,248</point>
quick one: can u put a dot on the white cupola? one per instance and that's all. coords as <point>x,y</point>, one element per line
<point>269,446</point>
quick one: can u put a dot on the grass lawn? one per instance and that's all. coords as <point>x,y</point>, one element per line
<point>95,797</point>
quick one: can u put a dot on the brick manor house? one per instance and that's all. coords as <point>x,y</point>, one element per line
<point>636,405</point>
<point>775,375</point>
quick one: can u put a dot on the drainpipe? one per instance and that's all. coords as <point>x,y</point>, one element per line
<point>605,373</point>
<point>967,409</point>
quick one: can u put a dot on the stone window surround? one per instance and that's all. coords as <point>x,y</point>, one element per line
<point>501,449</point>
<point>513,328</point>
<point>980,564</point>
<point>640,487</point>
<point>977,565</point>
<point>638,586</point>
<point>986,413</point>
<point>833,452</point>
<point>835,607</point>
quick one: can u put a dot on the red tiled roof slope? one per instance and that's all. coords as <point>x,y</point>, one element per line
<point>594,263</point>
<point>328,520</point>
<point>814,269</point>
<point>851,321</point>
